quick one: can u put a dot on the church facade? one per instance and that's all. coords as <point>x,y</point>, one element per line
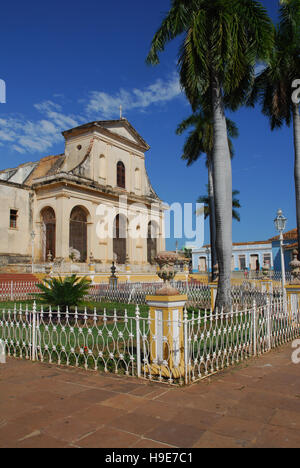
<point>93,203</point>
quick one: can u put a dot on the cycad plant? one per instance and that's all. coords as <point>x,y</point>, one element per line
<point>63,292</point>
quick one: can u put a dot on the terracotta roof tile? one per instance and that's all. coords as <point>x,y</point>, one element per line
<point>291,246</point>
<point>289,235</point>
<point>43,167</point>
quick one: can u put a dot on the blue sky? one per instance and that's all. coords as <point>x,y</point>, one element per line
<point>65,63</point>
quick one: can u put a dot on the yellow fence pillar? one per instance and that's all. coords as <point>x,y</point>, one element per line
<point>166,335</point>
<point>293,299</point>
<point>213,294</point>
<point>266,286</point>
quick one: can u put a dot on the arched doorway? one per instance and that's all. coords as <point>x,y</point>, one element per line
<point>152,242</point>
<point>119,243</point>
<point>78,232</point>
<point>48,234</point>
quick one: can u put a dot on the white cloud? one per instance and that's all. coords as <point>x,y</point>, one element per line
<point>36,136</point>
<point>107,105</point>
<point>41,134</point>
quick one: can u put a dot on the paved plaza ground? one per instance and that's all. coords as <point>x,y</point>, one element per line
<point>256,404</point>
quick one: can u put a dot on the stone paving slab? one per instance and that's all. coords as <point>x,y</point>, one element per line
<point>255,404</point>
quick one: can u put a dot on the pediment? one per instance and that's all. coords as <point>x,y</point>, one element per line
<point>122,128</point>
<point>125,130</point>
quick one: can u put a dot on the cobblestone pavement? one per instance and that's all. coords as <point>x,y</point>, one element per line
<point>256,404</point>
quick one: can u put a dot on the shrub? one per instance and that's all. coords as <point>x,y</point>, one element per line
<point>63,292</point>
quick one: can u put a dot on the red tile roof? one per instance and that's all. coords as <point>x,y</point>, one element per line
<point>289,235</point>
<point>291,246</point>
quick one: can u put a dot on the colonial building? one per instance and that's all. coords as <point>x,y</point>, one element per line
<point>251,256</point>
<point>245,256</point>
<point>66,199</point>
<point>290,242</point>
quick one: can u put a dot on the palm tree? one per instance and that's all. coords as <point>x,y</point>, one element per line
<point>199,141</point>
<point>274,86</point>
<point>205,199</point>
<point>222,42</point>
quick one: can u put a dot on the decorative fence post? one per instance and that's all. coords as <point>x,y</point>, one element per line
<point>33,330</point>
<point>138,341</point>
<point>254,326</point>
<point>186,350</point>
<point>11,291</point>
<point>269,324</point>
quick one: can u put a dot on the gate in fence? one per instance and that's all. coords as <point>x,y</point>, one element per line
<point>160,348</point>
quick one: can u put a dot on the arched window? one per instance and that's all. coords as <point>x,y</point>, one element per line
<point>120,175</point>
<point>48,234</point>
<point>119,241</point>
<point>152,242</point>
<point>78,232</point>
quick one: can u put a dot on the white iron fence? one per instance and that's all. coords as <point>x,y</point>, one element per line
<point>18,290</point>
<point>199,295</point>
<point>175,351</point>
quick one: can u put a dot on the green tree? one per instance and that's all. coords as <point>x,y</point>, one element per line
<point>63,292</point>
<point>205,199</point>
<point>221,44</point>
<point>199,141</point>
<point>274,89</point>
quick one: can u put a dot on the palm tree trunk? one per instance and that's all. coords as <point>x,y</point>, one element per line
<point>222,178</point>
<point>212,218</point>
<point>296,119</point>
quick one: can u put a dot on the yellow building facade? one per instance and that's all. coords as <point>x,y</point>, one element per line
<point>92,204</point>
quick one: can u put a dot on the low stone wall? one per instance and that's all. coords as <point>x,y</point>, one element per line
<point>15,264</point>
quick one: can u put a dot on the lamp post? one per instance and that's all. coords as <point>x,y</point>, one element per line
<point>32,250</point>
<point>208,262</point>
<point>280,223</point>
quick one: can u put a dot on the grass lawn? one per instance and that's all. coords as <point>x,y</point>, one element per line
<point>110,344</point>
<point>80,342</point>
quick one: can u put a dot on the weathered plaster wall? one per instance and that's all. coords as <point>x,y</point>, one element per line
<point>15,241</point>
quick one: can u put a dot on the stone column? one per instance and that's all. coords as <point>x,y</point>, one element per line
<point>166,335</point>
<point>166,341</point>
<point>62,227</point>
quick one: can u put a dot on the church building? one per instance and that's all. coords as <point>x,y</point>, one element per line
<point>50,208</point>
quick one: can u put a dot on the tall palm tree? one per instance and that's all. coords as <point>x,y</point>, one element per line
<point>274,85</point>
<point>235,205</point>
<point>199,141</point>
<point>222,41</point>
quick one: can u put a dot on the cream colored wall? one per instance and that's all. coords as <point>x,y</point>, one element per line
<point>15,241</point>
<point>74,156</point>
<point>111,151</point>
<point>112,154</point>
<point>64,200</point>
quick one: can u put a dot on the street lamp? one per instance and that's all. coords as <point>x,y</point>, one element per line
<point>280,223</point>
<point>207,251</point>
<point>32,234</point>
